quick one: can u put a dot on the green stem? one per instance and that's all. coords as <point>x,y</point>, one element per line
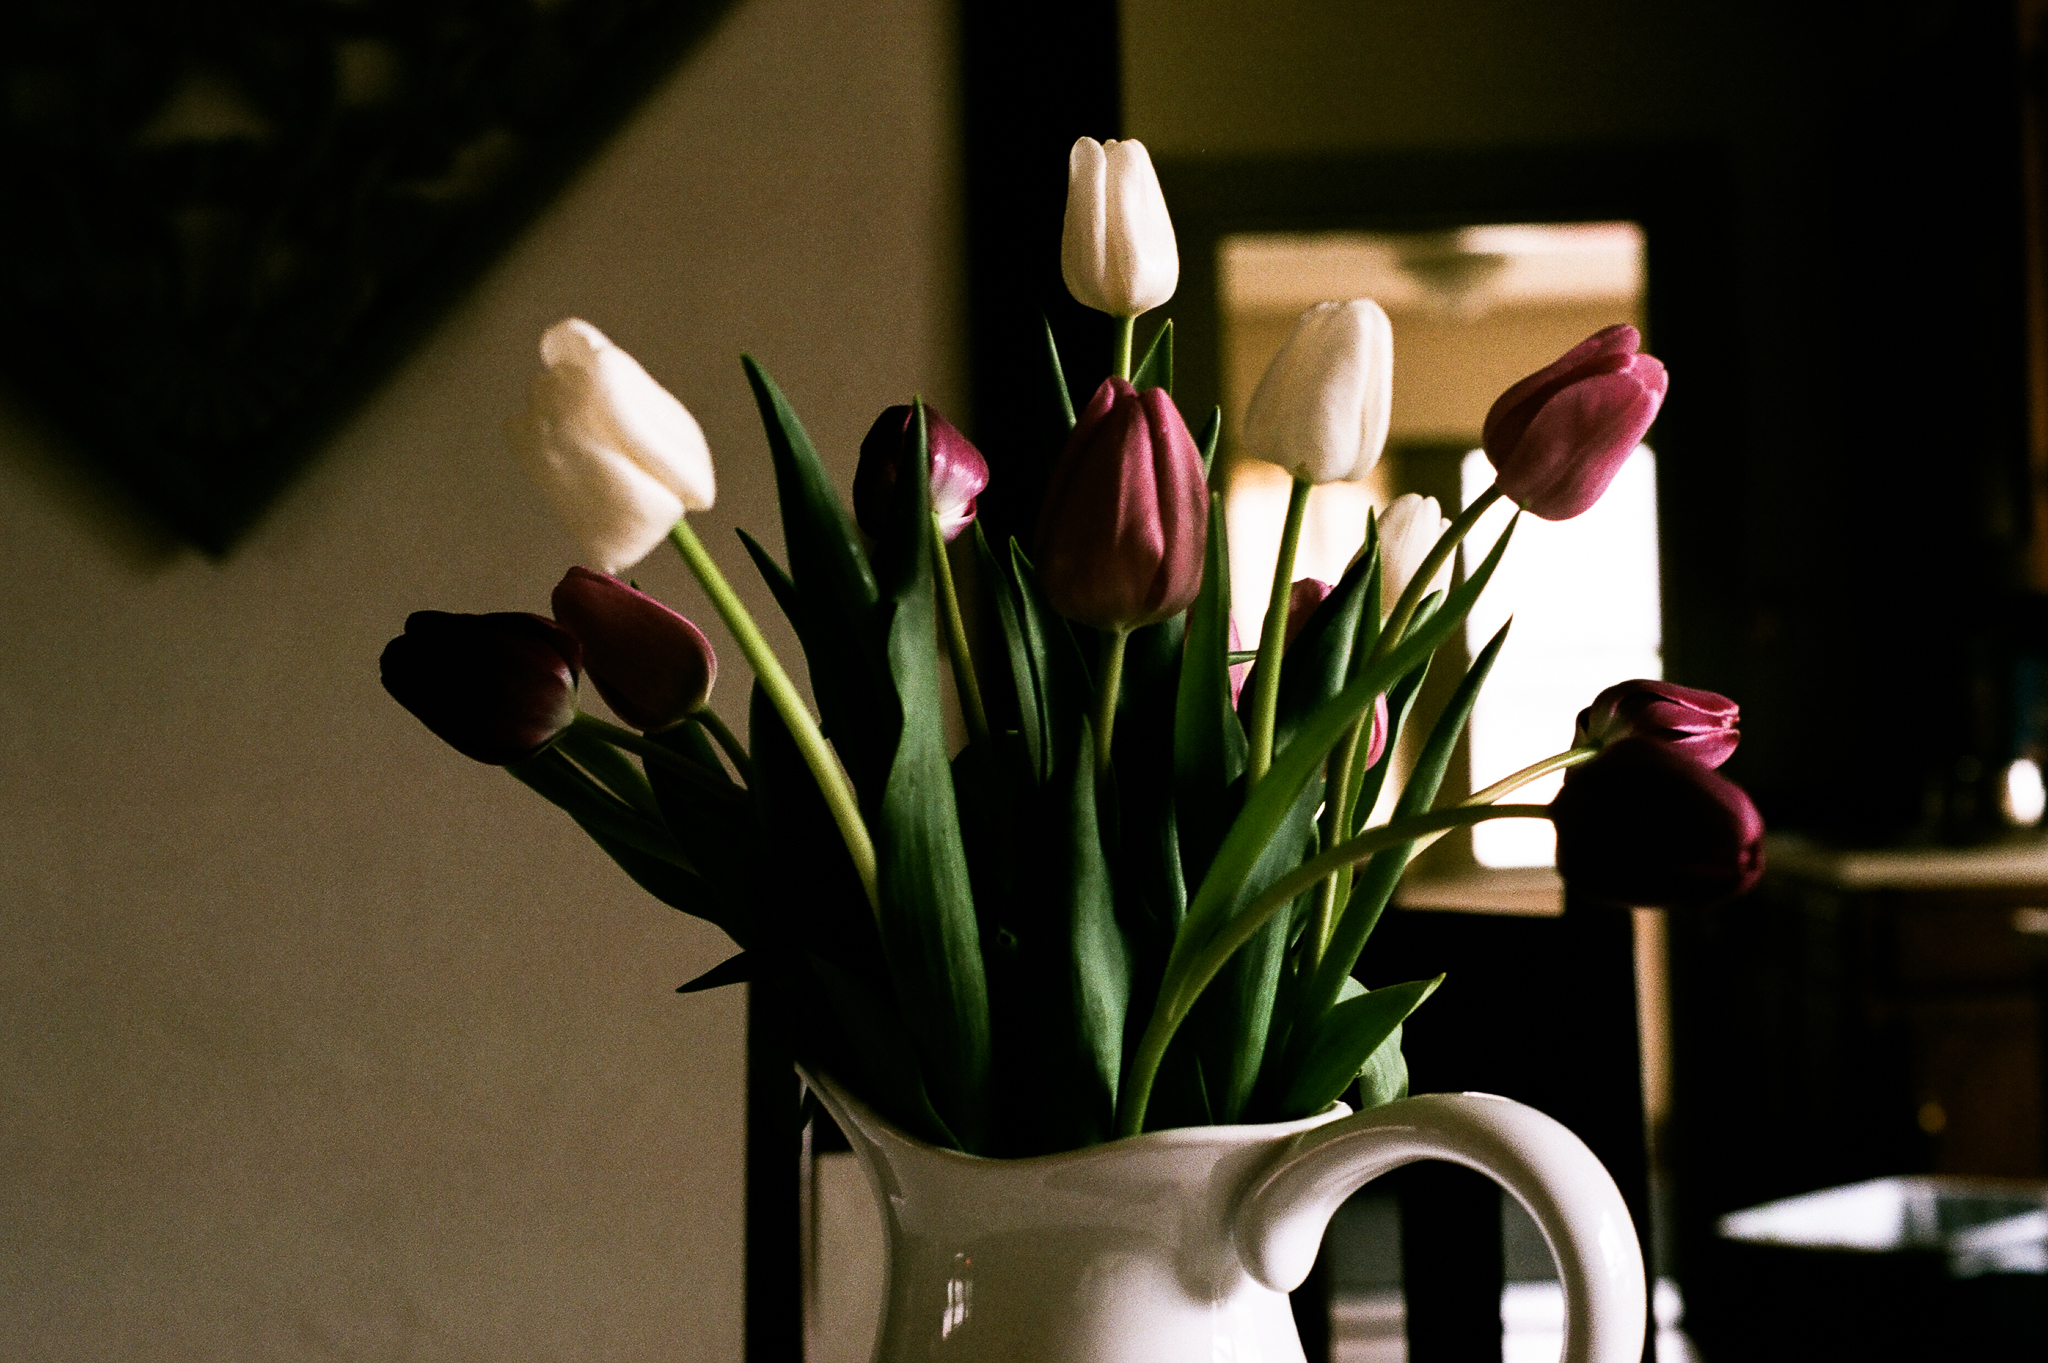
<point>1418,586</point>
<point>782,693</point>
<point>1273,638</point>
<point>1120,357</point>
<point>725,739</point>
<point>956,642</point>
<point>1177,997</point>
<point>1535,771</point>
<point>1112,690</point>
<point>1336,823</point>
<point>648,750</point>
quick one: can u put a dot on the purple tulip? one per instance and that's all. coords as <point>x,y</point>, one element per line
<point>1697,723</point>
<point>1558,437</point>
<point>1647,826</point>
<point>653,667</point>
<point>496,687</point>
<point>958,472</point>
<point>1126,513</point>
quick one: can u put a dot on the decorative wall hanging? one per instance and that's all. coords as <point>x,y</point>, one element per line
<point>226,220</point>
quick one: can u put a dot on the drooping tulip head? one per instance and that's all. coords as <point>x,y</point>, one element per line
<point>1700,724</point>
<point>497,688</point>
<point>1126,514</point>
<point>1323,407</point>
<point>1409,528</point>
<point>653,667</point>
<point>1117,249</point>
<point>1647,826</point>
<point>1559,436</point>
<point>958,472</point>
<point>617,455</point>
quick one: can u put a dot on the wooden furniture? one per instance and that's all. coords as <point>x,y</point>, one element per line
<point>1865,1014</point>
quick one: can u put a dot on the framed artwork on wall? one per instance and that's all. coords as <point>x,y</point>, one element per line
<point>227,220</point>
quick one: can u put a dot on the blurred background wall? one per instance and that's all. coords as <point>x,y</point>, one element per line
<point>317,1040</point>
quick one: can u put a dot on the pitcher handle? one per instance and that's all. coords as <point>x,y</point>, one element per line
<point>1566,1191</point>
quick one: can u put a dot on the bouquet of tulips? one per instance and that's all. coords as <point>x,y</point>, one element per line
<point>1137,897</point>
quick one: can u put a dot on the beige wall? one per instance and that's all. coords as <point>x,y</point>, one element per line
<point>317,1040</point>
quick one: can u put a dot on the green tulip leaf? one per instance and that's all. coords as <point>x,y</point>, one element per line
<point>1205,441</point>
<point>1057,373</point>
<point>1376,885</point>
<point>718,835</point>
<point>1156,369</point>
<point>1345,1040</point>
<point>610,768</point>
<point>732,970</point>
<point>1031,712</point>
<point>868,1031</point>
<point>1318,662</point>
<point>1383,1078</point>
<point>836,584</point>
<point>1060,674</point>
<point>1267,807</point>
<point>1209,746</point>
<point>634,843</point>
<point>929,930</point>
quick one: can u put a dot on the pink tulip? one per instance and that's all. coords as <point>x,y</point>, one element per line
<point>652,666</point>
<point>1697,723</point>
<point>496,688</point>
<point>958,472</point>
<point>1644,825</point>
<point>1558,437</point>
<point>1302,599</point>
<point>1126,513</point>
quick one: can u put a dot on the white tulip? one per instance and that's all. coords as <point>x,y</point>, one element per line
<point>1322,409</point>
<point>1409,529</point>
<point>1117,249</point>
<point>619,457</point>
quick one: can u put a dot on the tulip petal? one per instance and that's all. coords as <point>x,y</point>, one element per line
<point>615,510</point>
<point>652,666</point>
<point>1646,826</point>
<point>1577,442</point>
<point>1083,236</point>
<point>1141,259</point>
<point>1604,351</point>
<point>1323,407</point>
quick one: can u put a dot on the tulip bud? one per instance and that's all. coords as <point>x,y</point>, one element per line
<point>497,687</point>
<point>1409,528</point>
<point>1126,515</point>
<point>1558,437</point>
<point>1322,408</point>
<point>1117,250</point>
<point>618,456</point>
<point>653,667</point>
<point>1302,599</point>
<point>1647,826</point>
<point>1697,723</point>
<point>958,472</point>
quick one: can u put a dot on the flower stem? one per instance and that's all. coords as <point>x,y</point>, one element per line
<point>956,641</point>
<point>1120,357</point>
<point>1336,824</point>
<point>648,750</point>
<point>1535,771</point>
<point>1418,586</point>
<point>782,693</point>
<point>1112,690</point>
<point>1177,997</point>
<point>1273,639</point>
<point>725,739</point>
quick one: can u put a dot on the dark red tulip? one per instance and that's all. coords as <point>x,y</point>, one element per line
<point>1558,437</point>
<point>958,472</point>
<point>496,687</point>
<point>1302,599</point>
<point>1698,723</point>
<point>1647,826</point>
<point>1126,514</point>
<point>652,666</point>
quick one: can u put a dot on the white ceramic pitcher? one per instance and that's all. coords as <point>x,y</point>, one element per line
<point>1181,1246</point>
